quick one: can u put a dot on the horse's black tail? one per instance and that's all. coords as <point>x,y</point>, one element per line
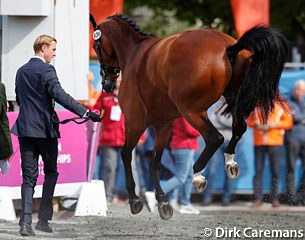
<point>259,87</point>
<point>92,20</point>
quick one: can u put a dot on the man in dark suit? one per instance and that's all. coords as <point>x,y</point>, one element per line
<point>37,128</point>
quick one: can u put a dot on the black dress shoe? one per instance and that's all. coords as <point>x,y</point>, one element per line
<point>26,230</point>
<point>43,225</point>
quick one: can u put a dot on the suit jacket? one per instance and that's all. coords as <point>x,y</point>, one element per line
<point>6,149</point>
<point>36,87</point>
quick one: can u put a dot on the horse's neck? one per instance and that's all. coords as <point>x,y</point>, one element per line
<point>125,44</point>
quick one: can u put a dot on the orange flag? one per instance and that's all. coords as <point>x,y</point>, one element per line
<point>248,13</point>
<point>101,9</point>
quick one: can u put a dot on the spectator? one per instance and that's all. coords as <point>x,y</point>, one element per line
<point>37,129</point>
<point>143,159</point>
<point>92,129</point>
<point>6,148</point>
<point>183,145</point>
<point>93,95</point>
<point>296,143</point>
<point>224,126</point>
<point>112,139</point>
<point>268,141</point>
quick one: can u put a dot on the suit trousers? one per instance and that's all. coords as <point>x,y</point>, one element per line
<point>30,149</point>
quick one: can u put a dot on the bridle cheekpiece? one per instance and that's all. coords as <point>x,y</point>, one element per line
<point>105,70</point>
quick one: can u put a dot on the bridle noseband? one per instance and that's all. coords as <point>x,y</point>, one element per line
<point>105,70</point>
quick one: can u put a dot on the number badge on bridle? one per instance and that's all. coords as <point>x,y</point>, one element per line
<point>97,34</point>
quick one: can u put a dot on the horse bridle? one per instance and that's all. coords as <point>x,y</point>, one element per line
<point>105,70</point>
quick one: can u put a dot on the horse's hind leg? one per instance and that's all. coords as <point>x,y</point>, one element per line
<point>162,136</point>
<point>239,127</point>
<point>131,139</point>
<point>213,140</point>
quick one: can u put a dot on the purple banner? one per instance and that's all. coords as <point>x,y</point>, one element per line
<point>72,154</point>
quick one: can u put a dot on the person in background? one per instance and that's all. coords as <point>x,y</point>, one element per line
<point>295,144</point>
<point>143,164</point>
<point>224,126</point>
<point>144,158</point>
<point>6,147</point>
<point>112,139</point>
<point>91,128</point>
<point>93,95</point>
<point>37,89</point>
<point>183,145</point>
<point>268,141</point>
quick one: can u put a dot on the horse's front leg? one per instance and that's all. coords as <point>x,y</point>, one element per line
<point>239,127</point>
<point>131,139</point>
<point>162,136</point>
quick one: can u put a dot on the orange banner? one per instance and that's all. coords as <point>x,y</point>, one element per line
<point>101,9</point>
<point>248,13</point>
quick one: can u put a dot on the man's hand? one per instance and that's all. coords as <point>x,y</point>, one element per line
<point>93,116</point>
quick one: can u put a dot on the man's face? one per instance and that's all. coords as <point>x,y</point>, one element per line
<point>49,51</point>
<point>299,92</point>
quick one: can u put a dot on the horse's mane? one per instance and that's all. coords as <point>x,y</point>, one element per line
<point>130,22</point>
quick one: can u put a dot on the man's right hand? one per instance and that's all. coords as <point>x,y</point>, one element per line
<point>93,116</point>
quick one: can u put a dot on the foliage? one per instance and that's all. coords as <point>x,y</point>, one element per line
<point>167,16</point>
<point>289,16</point>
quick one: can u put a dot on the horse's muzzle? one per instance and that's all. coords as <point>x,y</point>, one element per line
<point>108,85</point>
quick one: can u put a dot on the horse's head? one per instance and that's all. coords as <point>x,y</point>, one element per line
<point>109,66</point>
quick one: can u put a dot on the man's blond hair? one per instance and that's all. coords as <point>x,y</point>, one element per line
<point>42,40</point>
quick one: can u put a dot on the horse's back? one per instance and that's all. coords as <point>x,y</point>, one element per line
<point>191,44</point>
<point>191,64</point>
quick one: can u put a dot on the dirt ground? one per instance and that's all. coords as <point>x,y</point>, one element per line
<point>238,221</point>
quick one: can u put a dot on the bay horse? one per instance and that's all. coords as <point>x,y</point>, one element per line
<point>183,75</point>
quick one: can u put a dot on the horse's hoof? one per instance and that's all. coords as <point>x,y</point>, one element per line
<point>232,170</point>
<point>200,183</point>
<point>165,210</point>
<point>136,205</point>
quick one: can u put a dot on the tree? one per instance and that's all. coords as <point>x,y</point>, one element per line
<point>287,15</point>
<point>190,14</point>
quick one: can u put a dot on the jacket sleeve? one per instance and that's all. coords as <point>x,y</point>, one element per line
<point>6,148</point>
<point>252,120</point>
<point>286,120</point>
<point>219,121</point>
<point>188,129</point>
<point>97,105</point>
<point>16,90</point>
<point>59,95</point>
<point>297,115</point>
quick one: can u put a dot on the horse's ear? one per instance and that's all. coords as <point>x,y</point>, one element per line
<point>92,20</point>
